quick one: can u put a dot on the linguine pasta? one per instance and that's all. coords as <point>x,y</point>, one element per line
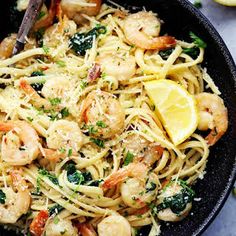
<point>79,130</point>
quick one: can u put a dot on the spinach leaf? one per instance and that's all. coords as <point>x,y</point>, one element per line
<point>80,42</point>
<point>55,209</point>
<point>166,53</point>
<point>192,52</point>
<point>73,175</point>
<point>152,186</point>
<point>198,4</point>
<point>2,197</point>
<point>51,177</point>
<point>178,202</point>
<point>37,73</point>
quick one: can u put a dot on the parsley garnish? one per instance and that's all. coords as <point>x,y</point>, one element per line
<point>54,101</point>
<point>70,152</point>
<point>129,158</point>
<point>73,175</point>
<point>64,112</point>
<point>98,142</point>
<point>197,41</point>
<point>101,124</point>
<point>45,49</point>
<point>30,119</point>
<point>83,84</point>
<point>91,129</point>
<point>61,63</point>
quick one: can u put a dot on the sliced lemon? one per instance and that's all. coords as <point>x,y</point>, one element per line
<point>230,3</point>
<point>175,107</point>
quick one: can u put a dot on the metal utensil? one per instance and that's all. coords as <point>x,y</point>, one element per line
<point>27,23</point>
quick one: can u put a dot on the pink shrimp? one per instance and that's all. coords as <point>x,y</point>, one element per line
<point>142,30</point>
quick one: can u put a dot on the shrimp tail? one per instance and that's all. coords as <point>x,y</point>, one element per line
<point>6,126</point>
<point>115,179</point>
<point>85,229</point>
<point>163,42</point>
<point>46,22</point>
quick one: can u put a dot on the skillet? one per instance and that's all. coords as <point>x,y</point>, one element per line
<point>180,17</point>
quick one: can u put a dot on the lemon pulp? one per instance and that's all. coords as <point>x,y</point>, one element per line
<point>175,107</point>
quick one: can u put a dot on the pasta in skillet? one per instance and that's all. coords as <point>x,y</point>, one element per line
<point>83,149</point>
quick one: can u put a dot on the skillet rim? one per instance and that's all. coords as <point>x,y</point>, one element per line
<point>209,27</point>
<point>223,49</point>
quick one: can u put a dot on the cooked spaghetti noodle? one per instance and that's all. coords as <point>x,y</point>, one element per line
<point>83,149</point>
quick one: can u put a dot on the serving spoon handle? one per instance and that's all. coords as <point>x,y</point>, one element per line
<point>29,19</point>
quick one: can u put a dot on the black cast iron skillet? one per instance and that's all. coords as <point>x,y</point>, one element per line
<point>180,17</point>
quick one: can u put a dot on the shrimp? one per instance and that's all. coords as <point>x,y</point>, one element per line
<point>213,115</point>
<point>35,98</point>
<point>75,8</point>
<point>183,204</point>
<point>85,229</point>
<point>114,225</point>
<point>58,88</point>
<point>142,149</point>
<point>120,67</point>
<point>20,145</point>
<point>16,203</point>
<point>61,227</point>
<point>102,111</point>
<point>137,170</point>
<point>142,29</point>
<point>64,134</point>
<point>6,46</point>
<point>48,20</point>
<point>137,193</point>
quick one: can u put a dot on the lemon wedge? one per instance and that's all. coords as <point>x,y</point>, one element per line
<point>175,107</point>
<point>230,3</point>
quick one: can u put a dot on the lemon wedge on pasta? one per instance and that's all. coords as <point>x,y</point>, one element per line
<point>230,3</point>
<point>175,107</point>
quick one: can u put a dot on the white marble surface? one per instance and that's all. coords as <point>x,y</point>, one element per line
<point>224,20</point>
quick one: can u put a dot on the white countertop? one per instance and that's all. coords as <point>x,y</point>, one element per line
<point>224,20</point>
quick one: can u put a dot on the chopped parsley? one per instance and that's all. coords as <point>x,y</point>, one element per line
<point>91,129</point>
<point>69,152</point>
<point>101,124</point>
<point>62,150</point>
<point>61,63</point>
<point>83,84</point>
<point>2,197</point>
<point>129,158</point>
<point>197,41</point>
<point>54,101</point>
<point>30,119</point>
<point>45,49</point>
<point>98,142</point>
<point>56,220</point>
<point>64,112</point>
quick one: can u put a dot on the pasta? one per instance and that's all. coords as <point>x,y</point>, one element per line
<point>82,148</point>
